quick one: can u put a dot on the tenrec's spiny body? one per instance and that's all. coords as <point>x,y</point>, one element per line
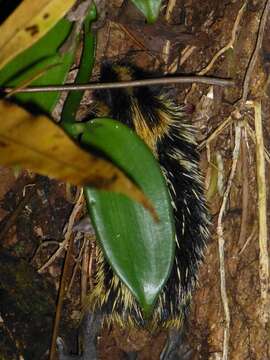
<point>161,124</point>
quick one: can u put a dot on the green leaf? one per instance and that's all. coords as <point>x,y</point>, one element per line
<point>150,8</point>
<point>46,46</point>
<point>85,70</point>
<point>139,249</point>
<point>41,56</point>
<point>27,24</point>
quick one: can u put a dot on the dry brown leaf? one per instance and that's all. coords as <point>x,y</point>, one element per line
<point>38,144</point>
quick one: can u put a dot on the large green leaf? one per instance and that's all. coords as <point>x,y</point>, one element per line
<point>150,8</point>
<point>43,56</point>
<point>45,47</point>
<point>27,24</point>
<point>139,249</point>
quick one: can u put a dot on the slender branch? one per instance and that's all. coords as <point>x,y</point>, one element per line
<point>124,84</point>
<point>221,243</point>
<point>69,238</point>
<point>245,193</point>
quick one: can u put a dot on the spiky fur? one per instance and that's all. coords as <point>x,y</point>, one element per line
<point>161,124</point>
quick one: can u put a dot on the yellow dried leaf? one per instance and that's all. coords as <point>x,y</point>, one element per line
<point>27,24</point>
<point>38,144</point>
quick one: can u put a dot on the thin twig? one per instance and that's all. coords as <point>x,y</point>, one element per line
<point>63,245</point>
<point>215,133</point>
<point>124,84</point>
<point>253,232</point>
<point>262,207</point>
<point>186,53</point>
<point>93,256</point>
<point>220,176</point>
<point>221,242</point>
<point>123,28</point>
<point>69,238</point>
<point>60,301</point>
<point>244,218</point>
<point>257,49</point>
<point>220,52</point>
<point>87,266</point>
<point>229,45</point>
<point>208,175</point>
<point>84,269</point>
<point>32,78</point>
<point>45,244</point>
<point>77,262</point>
